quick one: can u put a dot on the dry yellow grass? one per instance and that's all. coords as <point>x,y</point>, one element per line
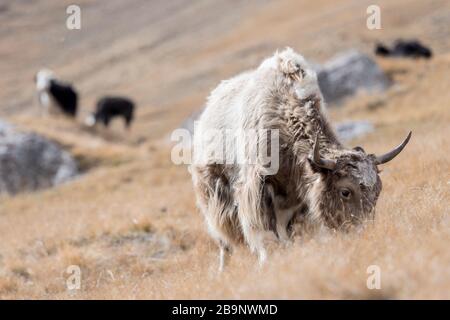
<point>131,224</point>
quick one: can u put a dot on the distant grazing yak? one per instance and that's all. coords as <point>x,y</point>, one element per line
<point>111,107</point>
<point>54,95</point>
<point>401,48</point>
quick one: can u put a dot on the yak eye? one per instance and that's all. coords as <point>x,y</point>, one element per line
<point>345,193</point>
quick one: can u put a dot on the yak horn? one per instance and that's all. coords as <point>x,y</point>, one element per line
<point>394,152</point>
<point>323,163</point>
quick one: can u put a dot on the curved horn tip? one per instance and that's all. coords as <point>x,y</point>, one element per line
<point>394,152</point>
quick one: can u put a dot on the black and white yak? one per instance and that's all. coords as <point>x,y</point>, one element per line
<point>111,107</point>
<point>402,48</point>
<point>55,96</point>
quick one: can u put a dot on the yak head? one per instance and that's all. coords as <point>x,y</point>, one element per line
<point>42,79</point>
<point>349,184</point>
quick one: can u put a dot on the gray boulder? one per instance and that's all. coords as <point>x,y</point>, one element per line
<point>30,162</point>
<point>349,73</point>
<point>348,130</point>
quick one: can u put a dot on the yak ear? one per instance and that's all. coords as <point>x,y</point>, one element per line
<point>315,168</point>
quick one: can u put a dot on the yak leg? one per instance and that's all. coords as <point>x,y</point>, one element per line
<point>221,227</point>
<point>283,217</point>
<point>225,252</point>
<point>215,203</point>
<point>44,101</point>
<point>255,240</point>
<point>251,217</point>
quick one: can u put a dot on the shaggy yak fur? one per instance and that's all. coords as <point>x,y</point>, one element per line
<point>317,178</point>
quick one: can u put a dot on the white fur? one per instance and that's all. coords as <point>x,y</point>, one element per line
<point>43,78</point>
<point>90,120</point>
<point>243,103</point>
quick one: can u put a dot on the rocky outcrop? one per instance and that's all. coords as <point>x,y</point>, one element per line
<point>30,162</point>
<point>348,130</point>
<point>349,73</point>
